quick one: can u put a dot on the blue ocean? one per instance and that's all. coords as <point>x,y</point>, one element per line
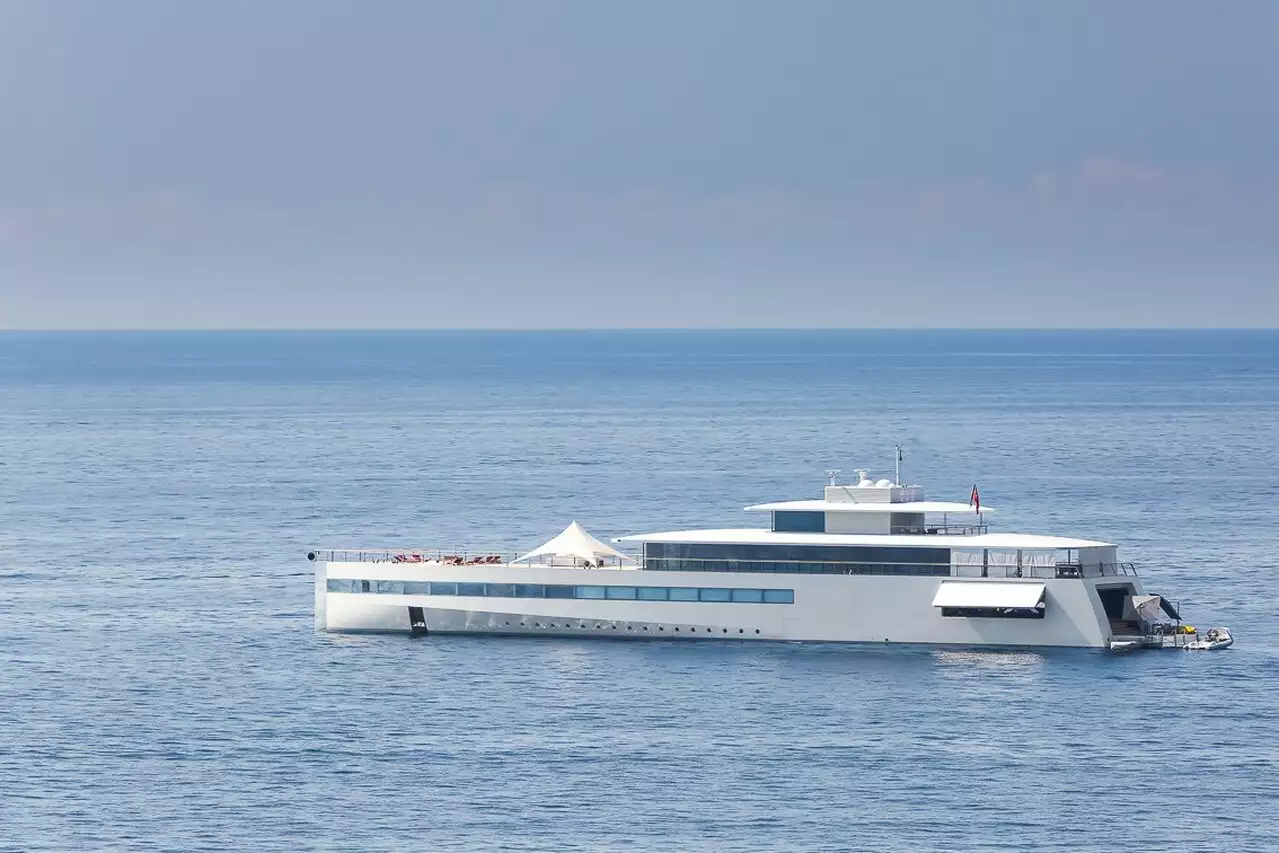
<point>162,687</point>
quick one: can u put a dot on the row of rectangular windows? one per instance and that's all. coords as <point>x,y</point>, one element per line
<point>537,590</point>
<point>668,564</point>
<point>856,554</point>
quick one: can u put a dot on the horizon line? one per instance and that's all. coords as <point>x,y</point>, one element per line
<point>622,329</point>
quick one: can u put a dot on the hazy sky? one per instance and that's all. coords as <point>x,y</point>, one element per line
<point>292,163</point>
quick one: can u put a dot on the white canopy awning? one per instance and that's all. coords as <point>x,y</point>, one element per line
<point>988,594</point>
<point>1145,608</point>
<point>577,544</point>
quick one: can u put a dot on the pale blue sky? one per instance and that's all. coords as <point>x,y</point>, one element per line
<point>559,164</point>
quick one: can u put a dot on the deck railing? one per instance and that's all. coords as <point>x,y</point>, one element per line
<point>938,530</point>
<point>413,555</point>
<point>991,570</point>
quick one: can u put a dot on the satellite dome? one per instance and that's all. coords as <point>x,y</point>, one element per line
<point>885,483</point>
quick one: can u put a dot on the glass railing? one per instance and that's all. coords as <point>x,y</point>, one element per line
<point>939,530</point>
<point>1057,570</point>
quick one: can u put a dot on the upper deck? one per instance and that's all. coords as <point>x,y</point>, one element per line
<point>872,527</point>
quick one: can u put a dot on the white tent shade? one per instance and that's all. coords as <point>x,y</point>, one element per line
<point>988,594</point>
<point>575,542</point>
<point>1148,608</point>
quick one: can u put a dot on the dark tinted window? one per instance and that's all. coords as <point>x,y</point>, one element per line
<point>791,521</point>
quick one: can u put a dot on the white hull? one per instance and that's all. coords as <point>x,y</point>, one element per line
<point>825,608</point>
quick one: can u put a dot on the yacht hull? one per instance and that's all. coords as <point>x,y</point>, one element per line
<point>825,608</point>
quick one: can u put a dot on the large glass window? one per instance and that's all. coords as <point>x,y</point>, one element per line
<point>590,592</point>
<point>779,596</point>
<point>713,594</point>
<point>529,590</point>
<point>390,587</point>
<point>470,589</point>
<point>809,559</point>
<point>790,521</point>
<point>748,595</point>
<point>994,612</point>
<point>445,588</point>
<point>417,588</point>
<point>341,585</point>
<point>680,593</point>
<point>558,591</point>
<point>499,590</point>
<point>653,593</point>
<point>626,592</point>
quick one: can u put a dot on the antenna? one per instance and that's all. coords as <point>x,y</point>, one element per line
<point>897,468</point>
<point>833,474</point>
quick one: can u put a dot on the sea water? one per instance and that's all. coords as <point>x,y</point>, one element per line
<point>162,686</point>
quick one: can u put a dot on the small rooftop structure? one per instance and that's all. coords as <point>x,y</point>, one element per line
<point>577,547</point>
<point>851,506</point>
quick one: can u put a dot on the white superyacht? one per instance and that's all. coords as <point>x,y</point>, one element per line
<point>871,561</point>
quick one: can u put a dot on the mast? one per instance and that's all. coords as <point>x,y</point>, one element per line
<point>897,467</point>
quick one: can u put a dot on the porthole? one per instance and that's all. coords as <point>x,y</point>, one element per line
<point>741,630</point>
<point>660,628</point>
<point>756,630</point>
<point>614,627</point>
<point>725,630</point>
<point>708,630</point>
<point>645,627</point>
<point>506,623</point>
<point>677,630</point>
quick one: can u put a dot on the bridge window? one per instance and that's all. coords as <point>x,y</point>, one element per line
<point>792,521</point>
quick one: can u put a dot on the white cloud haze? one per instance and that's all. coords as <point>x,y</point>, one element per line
<point>500,164</point>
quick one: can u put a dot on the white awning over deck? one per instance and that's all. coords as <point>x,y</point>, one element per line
<point>988,594</point>
<point>575,544</point>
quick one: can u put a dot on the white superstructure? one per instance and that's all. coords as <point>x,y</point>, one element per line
<point>869,562</point>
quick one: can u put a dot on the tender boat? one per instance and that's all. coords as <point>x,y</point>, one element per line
<point>869,561</point>
<point>1213,639</point>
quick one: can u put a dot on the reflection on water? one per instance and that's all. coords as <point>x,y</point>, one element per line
<point>968,659</point>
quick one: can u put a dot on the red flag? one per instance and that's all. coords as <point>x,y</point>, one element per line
<point>974,499</point>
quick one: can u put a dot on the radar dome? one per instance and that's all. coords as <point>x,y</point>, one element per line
<point>883,484</point>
